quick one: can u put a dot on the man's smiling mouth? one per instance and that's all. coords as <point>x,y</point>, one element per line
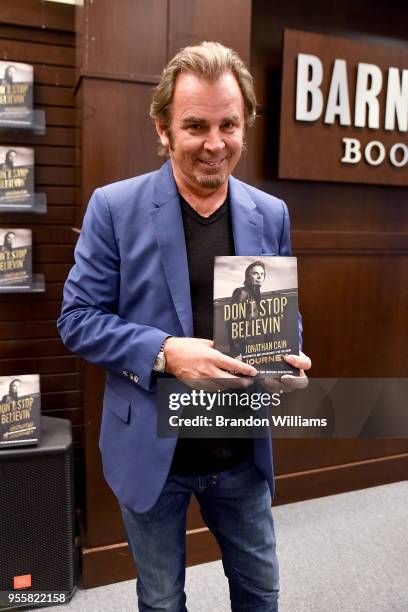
<point>212,163</point>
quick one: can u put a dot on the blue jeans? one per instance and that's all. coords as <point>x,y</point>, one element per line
<point>236,506</point>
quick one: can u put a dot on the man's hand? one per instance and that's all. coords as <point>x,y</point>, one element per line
<point>288,382</point>
<point>195,360</point>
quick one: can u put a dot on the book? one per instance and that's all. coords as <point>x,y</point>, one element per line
<point>20,410</point>
<point>15,259</point>
<point>16,93</point>
<point>256,311</point>
<point>16,177</point>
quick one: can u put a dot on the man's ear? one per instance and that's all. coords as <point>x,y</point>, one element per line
<point>162,132</point>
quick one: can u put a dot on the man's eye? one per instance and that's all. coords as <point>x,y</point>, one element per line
<point>229,126</point>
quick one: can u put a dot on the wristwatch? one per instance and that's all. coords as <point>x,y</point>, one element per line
<point>160,361</point>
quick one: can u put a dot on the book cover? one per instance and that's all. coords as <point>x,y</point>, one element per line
<point>16,93</point>
<point>15,259</point>
<point>16,177</point>
<point>20,410</point>
<point>256,311</point>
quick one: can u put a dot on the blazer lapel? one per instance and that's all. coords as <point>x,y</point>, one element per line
<point>247,224</point>
<point>247,228</point>
<point>168,225</point>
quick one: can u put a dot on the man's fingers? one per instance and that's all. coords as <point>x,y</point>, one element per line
<point>205,384</point>
<point>206,341</point>
<point>224,381</point>
<point>300,361</point>
<point>236,382</point>
<point>272,384</point>
<point>290,383</point>
<point>286,384</point>
<point>234,365</point>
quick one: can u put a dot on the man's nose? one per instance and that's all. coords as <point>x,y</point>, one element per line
<point>214,141</point>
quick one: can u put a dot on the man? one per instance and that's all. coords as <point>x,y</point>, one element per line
<point>9,160</point>
<point>9,74</point>
<point>140,290</point>
<point>8,242</point>
<point>14,388</point>
<point>251,291</point>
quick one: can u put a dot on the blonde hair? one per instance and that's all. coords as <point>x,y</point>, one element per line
<point>210,60</point>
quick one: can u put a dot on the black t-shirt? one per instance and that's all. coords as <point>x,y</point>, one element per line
<point>205,238</point>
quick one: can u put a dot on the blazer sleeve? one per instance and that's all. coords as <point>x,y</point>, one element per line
<point>285,249</point>
<point>89,324</point>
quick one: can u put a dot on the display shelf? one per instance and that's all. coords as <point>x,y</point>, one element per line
<point>38,286</point>
<point>34,121</point>
<point>36,204</point>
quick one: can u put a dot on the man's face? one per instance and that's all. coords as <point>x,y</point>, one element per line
<point>256,276</point>
<point>206,131</point>
<point>10,73</point>
<point>14,386</point>
<point>10,157</point>
<point>9,240</point>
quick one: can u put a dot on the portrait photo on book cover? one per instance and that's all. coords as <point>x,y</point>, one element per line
<point>256,310</point>
<point>20,410</point>
<point>16,175</point>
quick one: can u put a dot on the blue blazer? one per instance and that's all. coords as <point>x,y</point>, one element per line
<point>128,290</point>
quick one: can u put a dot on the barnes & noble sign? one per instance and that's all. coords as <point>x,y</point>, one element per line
<point>344,110</point>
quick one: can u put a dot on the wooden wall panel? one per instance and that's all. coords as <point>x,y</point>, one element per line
<point>128,147</point>
<point>192,22</point>
<point>54,136</point>
<point>306,457</point>
<point>331,208</point>
<point>57,96</point>
<point>42,34</point>
<point>135,30</point>
<point>355,313</point>
<point>36,52</point>
<point>104,524</point>
<point>33,34</point>
<point>38,14</point>
<point>352,244</point>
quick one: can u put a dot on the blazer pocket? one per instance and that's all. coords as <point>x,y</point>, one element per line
<point>119,405</point>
